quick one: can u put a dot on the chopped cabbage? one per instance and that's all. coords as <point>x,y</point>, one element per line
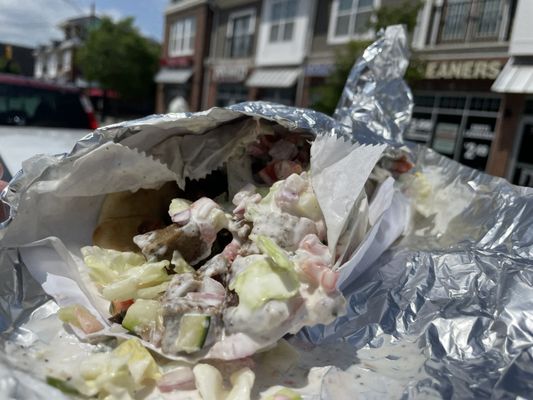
<point>119,373</point>
<point>262,281</point>
<point>135,279</point>
<point>106,266</point>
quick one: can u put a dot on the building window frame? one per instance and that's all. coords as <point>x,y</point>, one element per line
<point>249,35</point>
<point>472,21</point>
<point>333,38</point>
<point>282,30</point>
<point>182,37</point>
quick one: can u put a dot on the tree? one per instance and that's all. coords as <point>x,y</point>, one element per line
<point>119,58</point>
<point>9,66</point>
<point>328,94</point>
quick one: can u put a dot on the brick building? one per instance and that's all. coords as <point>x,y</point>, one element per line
<point>185,46</point>
<point>471,104</point>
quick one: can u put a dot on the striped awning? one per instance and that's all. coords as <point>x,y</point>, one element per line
<point>166,75</point>
<point>274,78</point>
<point>515,77</point>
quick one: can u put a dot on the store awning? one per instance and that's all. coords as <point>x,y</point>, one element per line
<point>274,78</point>
<point>515,77</point>
<point>166,75</point>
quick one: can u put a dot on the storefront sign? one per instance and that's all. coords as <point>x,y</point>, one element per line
<point>445,135</point>
<point>480,131</point>
<point>468,69</point>
<point>419,129</point>
<point>230,73</point>
<point>176,62</point>
<point>319,70</point>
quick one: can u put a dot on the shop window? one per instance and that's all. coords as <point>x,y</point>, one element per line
<point>420,128</point>
<point>466,20</point>
<point>452,102</point>
<point>181,37</point>
<point>231,93</point>
<point>282,17</point>
<point>446,132</point>
<point>477,138</point>
<point>350,19</point>
<point>485,104</point>
<point>458,126</point>
<point>239,37</point>
<point>278,95</point>
<point>424,101</point>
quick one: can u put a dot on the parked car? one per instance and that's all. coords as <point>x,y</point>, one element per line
<point>39,117</point>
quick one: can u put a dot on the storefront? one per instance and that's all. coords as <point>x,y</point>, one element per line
<point>228,84</point>
<point>173,84</point>
<point>455,112</point>
<point>278,85</point>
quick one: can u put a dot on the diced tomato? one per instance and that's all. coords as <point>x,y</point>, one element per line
<point>119,306</point>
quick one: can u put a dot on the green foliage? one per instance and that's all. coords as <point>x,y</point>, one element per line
<point>328,94</point>
<point>118,57</point>
<point>405,14</point>
<point>9,66</point>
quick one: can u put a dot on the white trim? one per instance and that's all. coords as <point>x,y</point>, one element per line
<point>422,27</point>
<point>183,5</point>
<point>334,14</point>
<point>239,14</point>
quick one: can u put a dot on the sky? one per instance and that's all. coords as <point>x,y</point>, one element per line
<point>34,22</point>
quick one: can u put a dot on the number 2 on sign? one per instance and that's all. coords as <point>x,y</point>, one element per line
<point>473,150</point>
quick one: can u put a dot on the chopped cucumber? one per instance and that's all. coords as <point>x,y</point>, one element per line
<point>192,332</point>
<point>271,249</point>
<point>143,315</point>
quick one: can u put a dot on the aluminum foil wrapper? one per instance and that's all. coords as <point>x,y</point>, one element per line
<point>445,312</point>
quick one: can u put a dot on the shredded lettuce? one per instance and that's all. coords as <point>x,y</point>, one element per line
<point>106,265</point>
<point>135,279</point>
<point>119,373</point>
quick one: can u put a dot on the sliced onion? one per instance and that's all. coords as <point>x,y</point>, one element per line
<point>182,218</point>
<point>180,378</point>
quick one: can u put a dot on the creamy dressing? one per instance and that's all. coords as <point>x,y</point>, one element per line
<point>331,371</point>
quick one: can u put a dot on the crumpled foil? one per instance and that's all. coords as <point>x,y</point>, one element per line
<point>446,312</point>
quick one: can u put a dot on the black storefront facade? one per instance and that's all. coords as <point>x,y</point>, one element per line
<point>455,111</point>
